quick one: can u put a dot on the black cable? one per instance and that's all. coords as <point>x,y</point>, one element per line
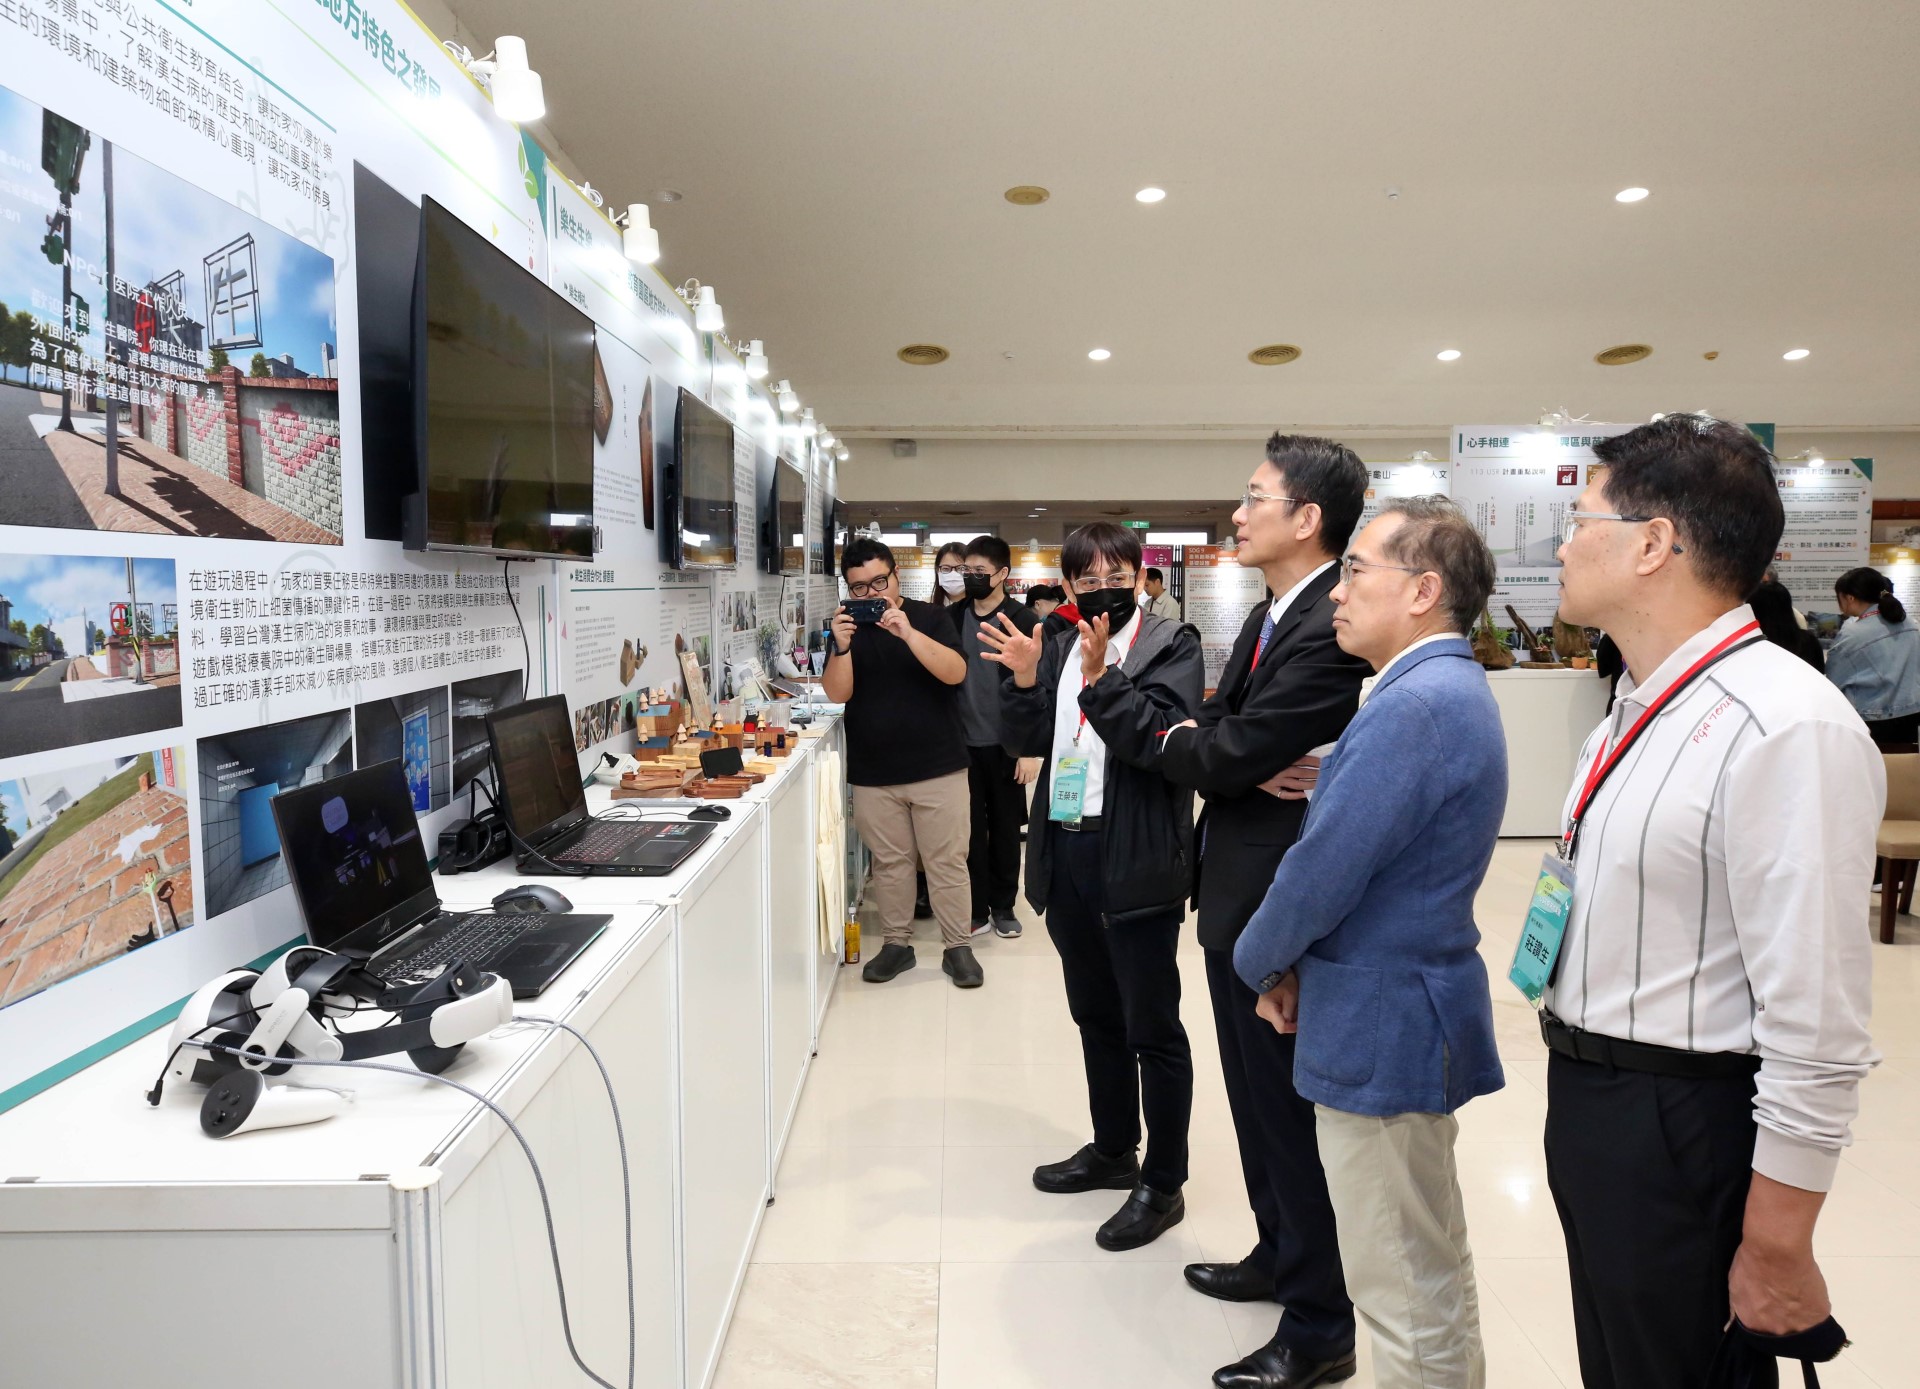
<point>526,651</point>
<point>539,1179</point>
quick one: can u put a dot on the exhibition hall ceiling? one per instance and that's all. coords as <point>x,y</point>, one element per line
<point>1372,182</point>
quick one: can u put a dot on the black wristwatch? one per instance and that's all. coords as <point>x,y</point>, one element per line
<point>1271,982</point>
<point>846,650</point>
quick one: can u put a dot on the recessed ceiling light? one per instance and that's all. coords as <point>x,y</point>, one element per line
<point>1630,195</point>
<point>668,195</point>
<point>1451,354</point>
<point>1039,508</point>
<point>1150,195</point>
<point>1797,354</point>
<point>1099,354</point>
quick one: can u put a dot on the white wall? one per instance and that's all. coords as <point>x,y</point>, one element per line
<point>1030,469</point>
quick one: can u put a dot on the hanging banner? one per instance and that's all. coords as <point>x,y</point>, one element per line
<point>1517,483</point>
<point>1829,524</point>
<point>1219,594</point>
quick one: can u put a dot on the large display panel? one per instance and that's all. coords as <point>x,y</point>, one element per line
<point>783,524</point>
<point>504,405</point>
<point>704,506</point>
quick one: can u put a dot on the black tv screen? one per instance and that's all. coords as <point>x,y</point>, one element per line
<point>703,509</point>
<point>386,238</point>
<point>785,522</point>
<point>503,406</point>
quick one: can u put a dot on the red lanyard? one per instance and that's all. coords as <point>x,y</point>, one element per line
<point>1604,762</point>
<point>1082,726</point>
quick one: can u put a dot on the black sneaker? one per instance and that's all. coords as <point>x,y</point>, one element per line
<point>893,959</point>
<point>1006,925</point>
<point>964,970</point>
<point>1088,1170</point>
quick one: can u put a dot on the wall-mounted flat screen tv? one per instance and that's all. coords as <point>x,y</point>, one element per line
<point>783,522</point>
<point>701,511</point>
<point>503,406</point>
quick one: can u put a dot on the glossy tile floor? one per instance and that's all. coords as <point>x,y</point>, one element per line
<point>908,1247</point>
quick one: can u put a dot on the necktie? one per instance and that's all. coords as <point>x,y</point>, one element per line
<point>1266,632</point>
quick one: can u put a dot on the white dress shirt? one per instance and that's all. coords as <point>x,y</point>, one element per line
<point>1721,888</point>
<point>1285,600</point>
<point>1066,721</point>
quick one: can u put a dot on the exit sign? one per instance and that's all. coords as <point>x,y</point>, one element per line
<point>1135,525</point>
<point>913,525</point>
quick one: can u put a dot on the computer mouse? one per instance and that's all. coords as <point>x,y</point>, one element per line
<point>531,897</point>
<point>709,812</point>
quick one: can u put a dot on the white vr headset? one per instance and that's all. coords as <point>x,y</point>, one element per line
<point>247,1025</point>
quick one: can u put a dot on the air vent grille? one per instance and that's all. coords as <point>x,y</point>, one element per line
<point>1274,355</point>
<point>1620,356</point>
<point>923,354</point>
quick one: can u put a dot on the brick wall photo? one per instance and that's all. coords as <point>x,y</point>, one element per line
<point>290,442</point>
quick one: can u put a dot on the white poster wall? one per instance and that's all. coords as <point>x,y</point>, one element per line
<point>1517,482</point>
<point>1220,594</point>
<point>1415,478</point>
<point>1829,526</point>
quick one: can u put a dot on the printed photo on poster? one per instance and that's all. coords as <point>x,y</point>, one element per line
<point>646,455</point>
<point>89,649</point>
<point>240,774</point>
<point>473,700</point>
<point>216,343</point>
<point>94,862</point>
<point>414,729</point>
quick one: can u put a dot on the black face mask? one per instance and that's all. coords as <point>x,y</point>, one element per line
<point>1117,604</point>
<point>979,585</point>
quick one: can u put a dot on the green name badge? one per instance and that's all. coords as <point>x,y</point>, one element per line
<point>1546,928</point>
<point>1069,790</point>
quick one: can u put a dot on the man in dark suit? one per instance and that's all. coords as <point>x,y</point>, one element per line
<point>1287,692</point>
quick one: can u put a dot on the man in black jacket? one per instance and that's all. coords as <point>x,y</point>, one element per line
<point>1110,864</point>
<point>1288,690</point>
<point>995,781</point>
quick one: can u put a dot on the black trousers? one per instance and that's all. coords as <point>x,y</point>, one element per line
<point>1280,1161</point>
<point>1123,989</point>
<point>1650,1176</point>
<point>999,809</point>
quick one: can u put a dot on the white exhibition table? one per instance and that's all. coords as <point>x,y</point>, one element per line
<point>1547,715</point>
<point>401,1244</point>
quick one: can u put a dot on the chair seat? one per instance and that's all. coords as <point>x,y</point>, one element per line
<point>1898,839</point>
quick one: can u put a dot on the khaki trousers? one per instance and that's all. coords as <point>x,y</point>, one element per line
<point>925,820</point>
<point>1403,1244</point>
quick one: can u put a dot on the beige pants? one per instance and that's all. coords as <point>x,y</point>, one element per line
<point>1403,1244</point>
<point>927,821</point>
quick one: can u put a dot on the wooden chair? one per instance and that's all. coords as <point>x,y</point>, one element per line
<point>1898,843</point>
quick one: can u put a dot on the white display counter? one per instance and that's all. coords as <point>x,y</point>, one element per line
<point>135,1250</point>
<point>1547,715</point>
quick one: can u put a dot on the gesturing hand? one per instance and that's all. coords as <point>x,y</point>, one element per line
<point>1093,648</point>
<point>1293,783</point>
<point>1012,648</point>
<point>894,620</point>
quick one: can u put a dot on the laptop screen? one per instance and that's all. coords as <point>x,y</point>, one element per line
<point>539,771</point>
<point>354,852</point>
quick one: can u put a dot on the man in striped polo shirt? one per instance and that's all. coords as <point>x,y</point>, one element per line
<point>1708,1008</point>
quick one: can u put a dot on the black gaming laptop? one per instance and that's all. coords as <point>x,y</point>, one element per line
<point>359,869</point>
<point>538,774</point>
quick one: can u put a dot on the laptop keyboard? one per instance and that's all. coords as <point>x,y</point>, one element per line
<point>601,844</point>
<point>478,938</point>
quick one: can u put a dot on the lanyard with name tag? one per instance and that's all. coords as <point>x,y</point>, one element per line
<point>1070,773</point>
<point>1536,958</point>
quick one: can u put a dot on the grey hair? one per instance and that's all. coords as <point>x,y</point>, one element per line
<point>1438,537</point>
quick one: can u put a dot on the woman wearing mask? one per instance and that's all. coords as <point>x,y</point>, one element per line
<point>949,574</point>
<point>1876,658</point>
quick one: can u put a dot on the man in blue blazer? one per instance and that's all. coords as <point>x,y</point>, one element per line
<point>1366,943</point>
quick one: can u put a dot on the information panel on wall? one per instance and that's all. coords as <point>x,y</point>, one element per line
<point>1219,595</point>
<point>1415,478</point>
<point>1829,525</point>
<point>1517,482</point>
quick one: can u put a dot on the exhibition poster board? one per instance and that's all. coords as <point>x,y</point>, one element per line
<point>1415,478</point>
<point>1034,566</point>
<point>1516,483</point>
<point>1901,565</point>
<point>1219,595</point>
<point>1829,526</point>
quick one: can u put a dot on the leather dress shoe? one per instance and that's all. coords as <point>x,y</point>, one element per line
<point>1147,1215</point>
<point>1241,1282</point>
<point>1283,1367</point>
<point>1088,1170</point>
<point>892,960</point>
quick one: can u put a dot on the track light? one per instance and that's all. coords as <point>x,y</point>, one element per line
<point>841,453</point>
<point>807,427</point>
<point>757,360</point>
<point>517,93</point>
<point>707,317</point>
<point>789,402</point>
<point>827,441</point>
<point>637,237</point>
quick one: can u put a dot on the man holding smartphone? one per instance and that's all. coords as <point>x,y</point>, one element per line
<point>896,664</point>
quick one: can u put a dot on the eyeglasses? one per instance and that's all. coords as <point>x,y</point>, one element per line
<point>1093,585</point>
<point>873,588</point>
<point>1350,563</point>
<point>978,573</point>
<point>1254,494</point>
<point>1576,519</point>
<point>951,569</point>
